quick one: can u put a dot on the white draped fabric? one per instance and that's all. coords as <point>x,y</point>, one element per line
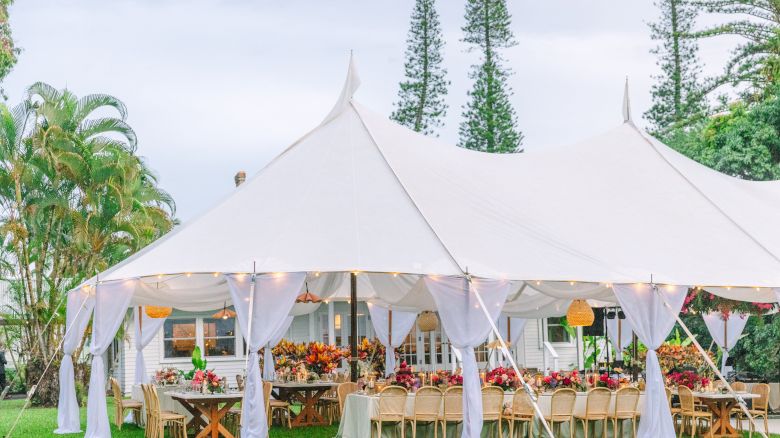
<point>620,333</point>
<point>269,371</point>
<point>644,307</point>
<point>725,332</point>
<point>511,329</point>
<point>401,325</point>
<point>271,296</point>
<point>464,321</point>
<point>111,302</point>
<point>79,310</point>
<point>145,330</point>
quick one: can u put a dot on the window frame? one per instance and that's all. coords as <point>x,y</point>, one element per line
<point>200,342</point>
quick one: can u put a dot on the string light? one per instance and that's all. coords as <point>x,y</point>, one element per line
<point>316,274</point>
<point>216,274</point>
<point>189,274</point>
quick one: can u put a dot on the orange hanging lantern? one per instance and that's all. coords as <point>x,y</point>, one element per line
<point>580,314</point>
<point>158,311</point>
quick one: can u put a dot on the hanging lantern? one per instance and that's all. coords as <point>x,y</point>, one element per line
<point>427,321</point>
<point>158,311</point>
<point>307,297</point>
<point>225,313</point>
<point>580,314</point>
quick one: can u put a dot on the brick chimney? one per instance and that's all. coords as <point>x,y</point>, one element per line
<point>240,177</point>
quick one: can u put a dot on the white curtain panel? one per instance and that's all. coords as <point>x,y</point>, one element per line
<point>79,310</point>
<point>144,333</point>
<point>725,332</point>
<point>620,333</point>
<point>652,322</point>
<point>511,329</point>
<point>402,325</point>
<point>466,326</point>
<point>777,294</point>
<point>269,371</point>
<point>111,302</point>
<point>274,297</point>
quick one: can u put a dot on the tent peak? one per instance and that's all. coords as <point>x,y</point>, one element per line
<point>626,104</point>
<point>351,84</point>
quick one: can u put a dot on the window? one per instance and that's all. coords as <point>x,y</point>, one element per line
<point>408,350</point>
<point>556,331</point>
<point>219,336</point>
<point>179,337</point>
<point>482,352</point>
<point>324,328</point>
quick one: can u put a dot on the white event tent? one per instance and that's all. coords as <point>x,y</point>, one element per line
<point>431,226</point>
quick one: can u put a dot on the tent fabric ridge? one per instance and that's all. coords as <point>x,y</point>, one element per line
<point>406,192</point>
<point>704,195</point>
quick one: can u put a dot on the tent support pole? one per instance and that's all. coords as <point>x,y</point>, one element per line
<point>505,350</point>
<point>353,365</point>
<point>707,359</point>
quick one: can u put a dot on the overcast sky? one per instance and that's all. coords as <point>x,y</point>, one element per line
<point>213,87</point>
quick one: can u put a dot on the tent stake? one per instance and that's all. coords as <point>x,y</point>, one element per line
<point>707,359</point>
<point>353,358</point>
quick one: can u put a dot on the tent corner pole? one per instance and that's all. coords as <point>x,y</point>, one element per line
<point>353,358</point>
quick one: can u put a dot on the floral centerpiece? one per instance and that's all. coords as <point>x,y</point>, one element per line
<point>371,356</point>
<point>456,380</point>
<point>322,358</point>
<point>167,376</point>
<point>404,377</point>
<point>604,381</point>
<point>558,380</point>
<point>208,377</point>
<point>687,378</point>
<point>198,364</point>
<point>504,378</point>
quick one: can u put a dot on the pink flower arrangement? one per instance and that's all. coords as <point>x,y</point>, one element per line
<point>604,381</point>
<point>557,380</point>
<point>212,380</point>
<point>166,376</point>
<point>404,377</point>
<point>687,378</point>
<point>505,378</point>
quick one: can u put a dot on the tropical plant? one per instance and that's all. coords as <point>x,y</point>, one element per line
<point>74,200</point>
<point>198,364</point>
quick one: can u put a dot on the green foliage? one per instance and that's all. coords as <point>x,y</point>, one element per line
<point>591,350</point>
<point>8,50</point>
<point>490,122</point>
<point>677,97</point>
<point>756,62</point>
<point>198,364</point>
<point>743,142</point>
<point>759,350</point>
<point>421,105</point>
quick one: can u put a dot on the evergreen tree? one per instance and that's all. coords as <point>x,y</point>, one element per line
<point>756,62</point>
<point>421,106</point>
<point>490,123</point>
<point>677,97</point>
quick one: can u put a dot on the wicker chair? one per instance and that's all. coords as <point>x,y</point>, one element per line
<point>343,391</point>
<point>328,405</point>
<point>149,431</point>
<point>522,412</point>
<point>626,401</point>
<point>596,409</point>
<point>739,387</point>
<point>240,382</point>
<point>392,409</point>
<point>675,411</point>
<point>493,406</point>
<point>760,408</point>
<point>562,409</point>
<point>121,405</point>
<point>427,405</point>
<point>452,409</point>
<point>177,423</point>
<point>688,411</point>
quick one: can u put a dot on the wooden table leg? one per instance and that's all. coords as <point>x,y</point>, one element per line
<point>308,415</point>
<point>721,413</point>
<point>214,413</point>
<point>197,421</point>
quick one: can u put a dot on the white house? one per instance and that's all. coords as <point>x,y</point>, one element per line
<point>224,350</point>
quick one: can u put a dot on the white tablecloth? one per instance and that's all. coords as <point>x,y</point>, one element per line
<point>359,408</point>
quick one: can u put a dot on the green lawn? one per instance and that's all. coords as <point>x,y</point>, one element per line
<point>40,422</point>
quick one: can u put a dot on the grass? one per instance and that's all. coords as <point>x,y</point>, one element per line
<point>41,422</point>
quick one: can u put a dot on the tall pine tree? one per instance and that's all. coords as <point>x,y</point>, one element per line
<point>421,106</point>
<point>490,123</point>
<point>677,97</point>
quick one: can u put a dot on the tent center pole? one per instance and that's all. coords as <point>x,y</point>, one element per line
<point>353,358</point>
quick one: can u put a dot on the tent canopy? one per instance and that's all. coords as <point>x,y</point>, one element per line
<point>361,193</point>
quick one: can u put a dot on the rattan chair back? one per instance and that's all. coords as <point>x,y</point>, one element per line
<point>116,391</point>
<point>739,386</point>
<point>762,402</point>
<point>597,403</point>
<point>492,401</point>
<point>687,402</point>
<point>626,401</point>
<point>267,387</point>
<point>453,402</point>
<point>343,390</point>
<point>668,396</point>
<point>392,402</point>
<point>522,404</point>
<point>562,402</point>
<point>427,401</point>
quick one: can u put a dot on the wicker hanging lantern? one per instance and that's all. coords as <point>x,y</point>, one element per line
<point>427,321</point>
<point>158,311</point>
<point>225,313</point>
<point>580,314</point>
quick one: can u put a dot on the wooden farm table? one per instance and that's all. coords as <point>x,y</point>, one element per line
<point>721,406</point>
<point>307,394</point>
<point>206,411</point>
